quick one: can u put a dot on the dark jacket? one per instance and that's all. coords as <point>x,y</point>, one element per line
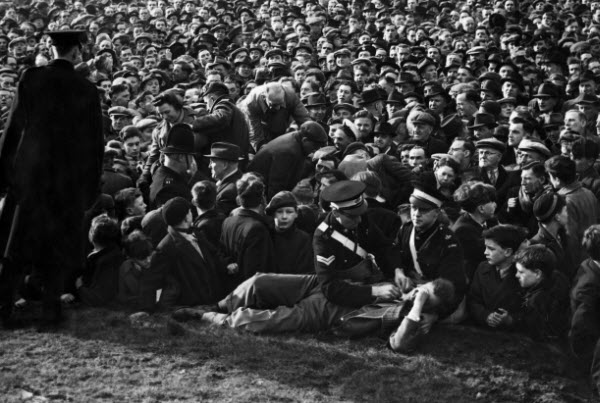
<point>505,181</point>
<point>590,179</point>
<point>224,122</point>
<point>210,224</point>
<point>544,313</point>
<point>585,310</point>
<point>522,213</point>
<point>227,193</point>
<point>52,159</point>
<point>439,255</point>
<point>281,162</point>
<point>560,247</point>
<point>388,221</point>
<point>334,261</point>
<point>101,276</point>
<point>293,252</point>
<point>470,235</point>
<point>489,292</point>
<point>246,239</point>
<point>130,274</point>
<point>113,181</point>
<point>167,184</point>
<point>185,277</point>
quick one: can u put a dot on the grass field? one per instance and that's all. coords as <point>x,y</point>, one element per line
<point>100,357</point>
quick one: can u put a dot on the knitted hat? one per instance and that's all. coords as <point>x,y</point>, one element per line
<point>547,205</point>
<point>175,210</point>
<point>281,199</point>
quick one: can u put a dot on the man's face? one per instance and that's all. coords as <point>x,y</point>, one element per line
<point>119,121</point>
<point>489,158</point>
<point>420,131</point>
<point>527,278</point>
<point>131,146</point>
<point>573,121</point>
<point>416,157</point>
<point>458,152</point>
<point>587,87</point>
<point>383,141</point>
<point>168,113</point>
<point>589,110</point>
<point>138,207</point>
<point>437,103</point>
<point>317,113</point>
<point>365,126</point>
<point>122,98</point>
<point>341,140</point>
<point>348,221</point>
<point>546,104</point>
<point>495,254</point>
<point>285,218</point>
<point>423,218</point>
<point>218,168</point>
<point>515,134</point>
<point>464,107</point>
<point>344,94</point>
<point>510,89</point>
<point>530,183</point>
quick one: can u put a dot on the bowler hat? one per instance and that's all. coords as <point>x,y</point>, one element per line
<point>314,99</point>
<point>483,119</point>
<point>180,140</point>
<point>547,90</point>
<point>369,96</point>
<point>225,151</point>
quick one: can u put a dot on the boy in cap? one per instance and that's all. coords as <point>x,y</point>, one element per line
<point>347,276</point>
<point>292,247</point>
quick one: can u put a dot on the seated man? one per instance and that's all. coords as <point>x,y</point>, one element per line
<point>494,296</point>
<point>185,266</point>
<point>428,249</point>
<point>409,317</point>
<point>347,276</point>
<point>544,310</point>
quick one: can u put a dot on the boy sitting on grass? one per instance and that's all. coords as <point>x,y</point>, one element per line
<point>494,296</point>
<point>546,301</point>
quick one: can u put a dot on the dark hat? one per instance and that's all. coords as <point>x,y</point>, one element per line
<point>423,118</point>
<point>274,52</point>
<point>315,99</point>
<point>313,131</point>
<point>281,199</point>
<point>513,77</point>
<point>180,140</point>
<point>424,63</point>
<point>492,143</point>
<point>406,77</point>
<point>383,129</point>
<point>586,99</point>
<point>476,50</point>
<point>120,111</point>
<point>218,61</point>
<point>424,196</point>
<point>346,106</point>
<point>396,97</point>
<point>346,196</point>
<point>547,205</point>
<point>370,96</point>
<point>342,52</point>
<point>483,119</point>
<point>553,120</point>
<point>246,60</point>
<point>547,90</point>
<point>215,87</point>
<point>175,210</point>
<point>491,86</point>
<point>225,151</point>
<point>508,100</point>
<point>68,38</point>
<point>534,146</point>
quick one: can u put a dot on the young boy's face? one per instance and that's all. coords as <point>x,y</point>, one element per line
<point>132,146</point>
<point>494,253</point>
<point>527,278</point>
<point>285,217</point>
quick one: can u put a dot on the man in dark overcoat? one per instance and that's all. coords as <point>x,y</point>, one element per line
<point>51,164</point>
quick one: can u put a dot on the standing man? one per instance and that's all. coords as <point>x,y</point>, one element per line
<point>51,163</point>
<point>224,168</point>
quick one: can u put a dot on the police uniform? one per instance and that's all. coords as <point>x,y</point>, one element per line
<point>166,183</point>
<point>434,252</point>
<point>287,302</point>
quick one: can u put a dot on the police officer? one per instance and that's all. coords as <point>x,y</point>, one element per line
<point>428,248</point>
<point>348,276</point>
<point>172,179</point>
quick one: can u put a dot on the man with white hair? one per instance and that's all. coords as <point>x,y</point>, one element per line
<point>269,109</point>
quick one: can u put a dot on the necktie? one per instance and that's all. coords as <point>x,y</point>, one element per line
<point>492,176</point>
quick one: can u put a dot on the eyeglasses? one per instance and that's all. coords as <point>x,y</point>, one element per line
<point>486,153</point>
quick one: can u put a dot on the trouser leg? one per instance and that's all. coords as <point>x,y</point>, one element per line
<point>266,290</point>
<point>311,314</point>
<point>595,370</point>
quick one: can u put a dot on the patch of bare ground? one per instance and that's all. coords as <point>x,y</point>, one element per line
<point>100,357</point>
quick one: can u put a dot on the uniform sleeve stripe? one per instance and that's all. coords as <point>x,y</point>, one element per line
<point>324,260</point>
